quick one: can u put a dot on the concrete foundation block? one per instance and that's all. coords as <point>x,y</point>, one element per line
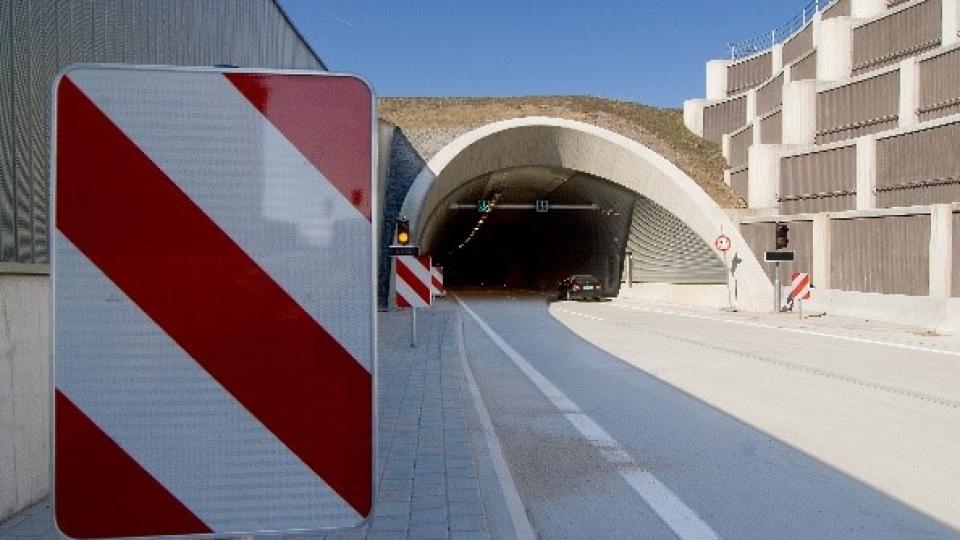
<point>717,79</point>
<point>693,114</point>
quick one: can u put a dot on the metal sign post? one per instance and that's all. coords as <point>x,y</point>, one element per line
<point>413,327</point>
<point>777,257</point>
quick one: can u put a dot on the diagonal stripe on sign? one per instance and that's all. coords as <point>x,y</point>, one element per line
<point>326,131</point>
<point>412,280</point>
<point>150,239</point>
<point>94,481</point>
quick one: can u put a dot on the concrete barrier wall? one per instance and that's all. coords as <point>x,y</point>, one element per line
<point>24,391</point>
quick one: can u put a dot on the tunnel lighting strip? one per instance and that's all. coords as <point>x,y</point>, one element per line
<point>460,206</point>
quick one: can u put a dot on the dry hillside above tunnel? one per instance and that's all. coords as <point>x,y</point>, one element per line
<point>431,123</point>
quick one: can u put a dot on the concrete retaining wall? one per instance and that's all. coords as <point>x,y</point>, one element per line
<point>24,391</point>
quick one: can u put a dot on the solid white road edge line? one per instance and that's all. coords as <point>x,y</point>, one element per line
<point>904,346</point>
<point>518,514</point>
<point>684,522</point>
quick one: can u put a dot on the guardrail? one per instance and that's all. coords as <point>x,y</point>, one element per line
<point>777,35</point>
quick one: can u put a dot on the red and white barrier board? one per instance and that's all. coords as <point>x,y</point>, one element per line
<point>799,286</point>
<point>413,281</point>
<point>436,281</point>
<point>213,300</point>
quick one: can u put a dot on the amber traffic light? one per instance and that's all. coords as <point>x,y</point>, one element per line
<point>403,231</point>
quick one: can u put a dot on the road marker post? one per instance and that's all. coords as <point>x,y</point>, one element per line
<point>414,287</point>
<point>799,290</point>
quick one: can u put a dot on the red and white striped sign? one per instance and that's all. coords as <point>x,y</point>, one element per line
<point>413,281</point>
<point>800,286</point>
<point>213,307</point>
<point>436,281</point>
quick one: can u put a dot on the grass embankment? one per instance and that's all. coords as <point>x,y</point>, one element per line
<point>661,130</point>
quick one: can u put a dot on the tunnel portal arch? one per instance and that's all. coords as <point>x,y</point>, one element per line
<point>576,146</point>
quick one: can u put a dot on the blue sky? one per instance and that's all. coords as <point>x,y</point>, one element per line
<point>649,51</point>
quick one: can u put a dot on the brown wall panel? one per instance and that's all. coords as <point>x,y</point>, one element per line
<point>771,129</point>
<point>884,255</point>
<point>860,108</point>
<point>770,95</point>
<point>798,45</point>
<point>748,74</point>
<point>824,181</point>
<point>920,167</point>
<point>841,8</point>
<point>940,85</point>
<point>739,182</point>
<point>894,37</point>
<point>805,68</point>
<point>722,118</point>
<point>739,145</point>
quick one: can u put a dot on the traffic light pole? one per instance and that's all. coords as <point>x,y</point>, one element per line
<point>776,287</point>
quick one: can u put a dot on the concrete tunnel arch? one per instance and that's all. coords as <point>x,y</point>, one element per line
<point>573,145</point>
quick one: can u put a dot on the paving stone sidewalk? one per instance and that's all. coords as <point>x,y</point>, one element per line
<point>436,476</point>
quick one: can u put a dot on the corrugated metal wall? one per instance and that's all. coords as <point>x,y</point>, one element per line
<point>940,85</point>
<point>725,117</point>
<point>839,9</point>
<point>739,143</point>
<point>798,45</point>
<point>899,35</point>
<point>665,250</point>
<point>920,167</point>
<point>39,37</point>
<point>822,181</point>
<point>771,128</point>
<point>760,237</point>
<point>805,68</point>
<point>740,181</point>
<point>770,95</point>
<point>748,74</point>
<point>860,108</point>
<point>883,255</point>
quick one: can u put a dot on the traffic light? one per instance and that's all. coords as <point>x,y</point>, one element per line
<point>782,231</point>
<point>403,231</point>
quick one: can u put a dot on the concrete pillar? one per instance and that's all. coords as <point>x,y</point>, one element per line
<point>941,250</point>
<point>757,133</point>
<point>865,9</point>
<point>763,182</point>
<point>835,49</point>
<point>909,92</point>
<point>787,77</point>
<point>693,114</point>
<point>728,177</point>
<point>776,57</point>
<point>799,116</point>
<point>866,173</point>
<point>950,21</point>
<point>725,146</point>
<point>717,78</point>
<point>751,105</point>
<point>822,251</point>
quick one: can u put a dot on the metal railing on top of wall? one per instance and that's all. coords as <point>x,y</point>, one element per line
<point>762,42</point>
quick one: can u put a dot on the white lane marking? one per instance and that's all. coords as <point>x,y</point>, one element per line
<point>518,515</point>
<point>867,341</point>
<point>675,514</point>
<point>584,315</point>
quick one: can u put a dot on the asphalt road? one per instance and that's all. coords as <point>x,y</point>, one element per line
<point>621,423</point>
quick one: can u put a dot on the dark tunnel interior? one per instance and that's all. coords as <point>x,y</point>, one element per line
<point>584,230</point>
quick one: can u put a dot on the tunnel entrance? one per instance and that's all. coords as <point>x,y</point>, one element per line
<point>581,229</point>
<point>635,209</point>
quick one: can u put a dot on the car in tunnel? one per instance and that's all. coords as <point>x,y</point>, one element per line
<point>579,287</point>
